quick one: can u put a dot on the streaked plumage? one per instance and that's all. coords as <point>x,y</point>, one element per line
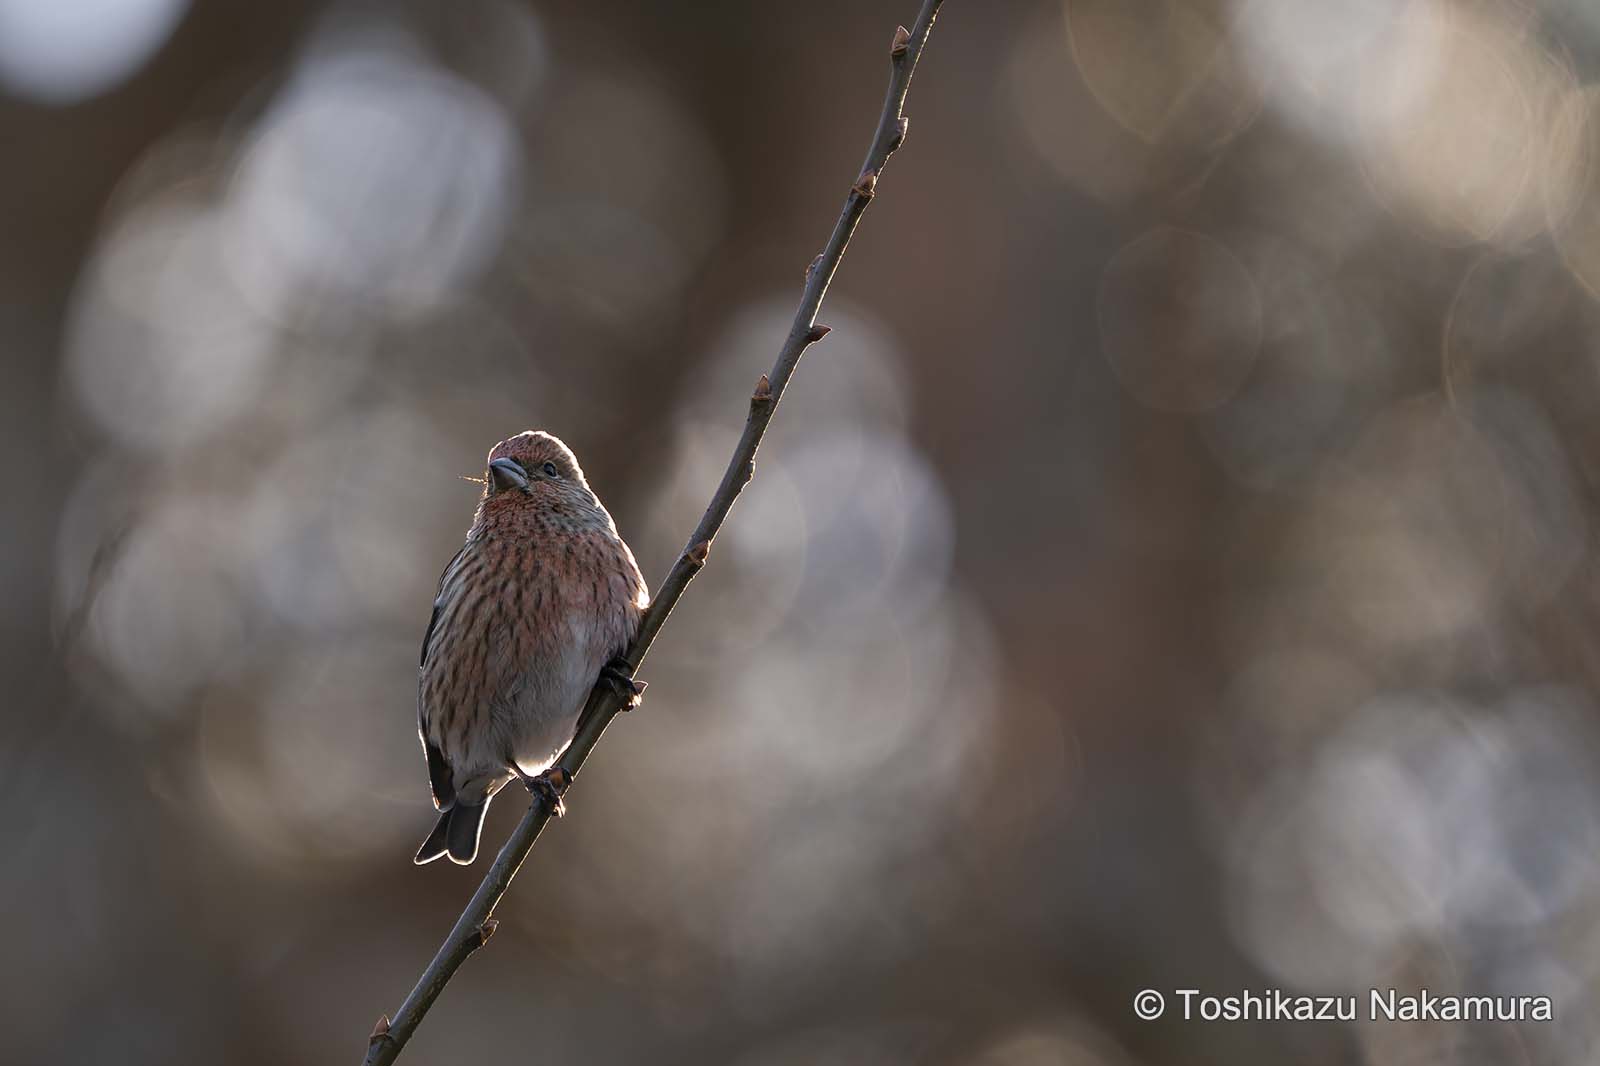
<point>543,594</point>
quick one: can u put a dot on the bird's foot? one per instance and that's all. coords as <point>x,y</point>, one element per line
<point>618,673</point>
<point>548,788</point>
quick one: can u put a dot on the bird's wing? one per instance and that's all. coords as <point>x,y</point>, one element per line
<point>440,776</point>
<point>438,604</point>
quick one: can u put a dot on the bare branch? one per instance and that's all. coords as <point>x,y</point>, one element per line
<point>473,928</point>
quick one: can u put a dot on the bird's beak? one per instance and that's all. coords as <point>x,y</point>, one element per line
<point>508,474</point>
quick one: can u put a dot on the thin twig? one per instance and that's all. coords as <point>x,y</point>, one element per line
<point>473,928</point>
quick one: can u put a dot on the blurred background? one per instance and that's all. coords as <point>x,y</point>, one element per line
<point>1176,569</point>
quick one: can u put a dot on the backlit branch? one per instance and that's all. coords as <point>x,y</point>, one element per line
<point>473,928</point>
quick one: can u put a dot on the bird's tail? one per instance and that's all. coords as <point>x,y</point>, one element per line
<point>455,834</point>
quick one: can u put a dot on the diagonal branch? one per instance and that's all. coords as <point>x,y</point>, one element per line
<point>473,928</point>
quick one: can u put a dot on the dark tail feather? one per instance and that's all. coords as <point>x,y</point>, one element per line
<point>455,835</point>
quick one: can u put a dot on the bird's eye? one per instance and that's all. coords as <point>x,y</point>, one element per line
<point>551,471</point>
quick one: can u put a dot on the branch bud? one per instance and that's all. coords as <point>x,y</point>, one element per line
<point>818,332</point>
<point>763,393</point>
<point>901,125</point>
<point>486,930</point>
<point>697,554</point>
<point>380,1030</point>
<point>901,42</point>
<point>866,184</point>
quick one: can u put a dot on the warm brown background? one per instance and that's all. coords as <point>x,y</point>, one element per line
<point>1176,568</point>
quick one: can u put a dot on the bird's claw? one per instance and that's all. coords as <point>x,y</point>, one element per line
<point>548,788</point>
<point>618,674</point>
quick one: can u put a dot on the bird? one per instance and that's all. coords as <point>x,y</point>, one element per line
<point>539,605</point>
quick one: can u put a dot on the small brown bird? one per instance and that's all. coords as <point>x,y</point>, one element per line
<point>534,608</point>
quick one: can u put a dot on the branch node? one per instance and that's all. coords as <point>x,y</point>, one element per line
<point>380,1030</point>
<point>818,332</point>
<point>811,267</point>
<point>900,44</point>
<point>697,554</point>
<point>866,184</point>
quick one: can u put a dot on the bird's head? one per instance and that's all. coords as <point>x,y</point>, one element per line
<point>535,472</point>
